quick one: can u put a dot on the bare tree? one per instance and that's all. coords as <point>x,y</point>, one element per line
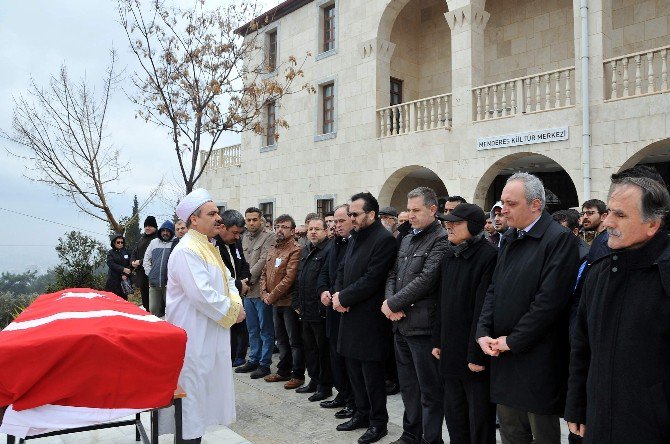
<point>62,126</point>
<point>203,73</point>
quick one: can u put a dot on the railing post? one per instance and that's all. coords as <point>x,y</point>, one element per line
<point>650,72</point>
<point>638,75</point>
<point>568,88</point>
<point>664,70</point>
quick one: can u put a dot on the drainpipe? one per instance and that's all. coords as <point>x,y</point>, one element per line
<point>586,120</point>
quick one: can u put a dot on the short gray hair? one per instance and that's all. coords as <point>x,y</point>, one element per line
<point>428,194</point>
<point>655,202</point>
<point>344,205</point>
<point>532,187</point>
<point>232,218</point>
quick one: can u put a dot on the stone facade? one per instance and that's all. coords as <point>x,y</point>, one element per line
<point>450,49</point>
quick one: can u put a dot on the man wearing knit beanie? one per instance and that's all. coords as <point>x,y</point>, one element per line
<point>141,279</point>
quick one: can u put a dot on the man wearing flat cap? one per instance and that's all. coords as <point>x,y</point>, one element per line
<point>203,300</point>
<point>389,219</point>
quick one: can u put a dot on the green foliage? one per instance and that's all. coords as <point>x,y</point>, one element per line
<point>80,257</point>
<point>132,225</point>
<point>28,282</point>
<point>11,305</point>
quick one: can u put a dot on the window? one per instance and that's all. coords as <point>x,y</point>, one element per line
<point>272,50</point>
<point>396,99</point>
<point>267,208</point>
<point>221,208</point>
<point>323,206</point>
<point>328,99</point>
<point>270,123</point>
<point>396,91</point>
<point>328,28</point>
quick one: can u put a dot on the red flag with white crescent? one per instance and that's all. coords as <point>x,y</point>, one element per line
<point>89,348</point>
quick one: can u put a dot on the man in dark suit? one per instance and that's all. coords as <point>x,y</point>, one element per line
<point>230,246</point>
<point>363,327</point>
<point>326,288</point>
<point>524,319</point>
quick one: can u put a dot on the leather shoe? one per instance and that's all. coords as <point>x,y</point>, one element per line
<point>346,412</point>
<point>309,388</point>
<point>373,434</point>
<point>333,403</point>
<point>356,422</point>
<point>293,383</point>
<point>260,372</point>
<point>320,396</point>
<point>246,368</point>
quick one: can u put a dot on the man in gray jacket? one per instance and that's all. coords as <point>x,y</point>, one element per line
<point>256,242</point>
<point>411,300</point>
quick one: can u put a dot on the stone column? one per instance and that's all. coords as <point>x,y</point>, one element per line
<point>467,20</point>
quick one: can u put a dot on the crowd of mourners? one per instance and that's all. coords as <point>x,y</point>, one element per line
<point>510,319</point>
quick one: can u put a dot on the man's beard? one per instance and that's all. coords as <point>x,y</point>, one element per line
<point>387,225</point>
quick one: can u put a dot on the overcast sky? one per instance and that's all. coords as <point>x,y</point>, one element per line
<point>36,38</point>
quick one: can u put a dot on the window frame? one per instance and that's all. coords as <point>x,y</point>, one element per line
<point>327,24</point>
<point>328,125</point>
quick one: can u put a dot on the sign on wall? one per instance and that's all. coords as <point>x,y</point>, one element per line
<point>541,136</point>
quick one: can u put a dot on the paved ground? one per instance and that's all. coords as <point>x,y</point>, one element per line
<point>266,414</point>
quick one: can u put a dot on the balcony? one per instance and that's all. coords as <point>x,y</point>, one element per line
<point>419,115</point>
<point>536,93</point>
<point>225,157</point>
<point>637,74</point>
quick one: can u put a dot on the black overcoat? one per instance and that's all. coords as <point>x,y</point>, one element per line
<point>117,260</point>
<point>620,360</point>
<point>464,279</point>
<point>528,301</point>
<point>362,276</point>
<point>312,260</point>
<point>241,269</point>
<point>326,282</point>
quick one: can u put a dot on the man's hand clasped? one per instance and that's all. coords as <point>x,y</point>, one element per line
<point>493,347</point>
<point>336,304</point>
<point>390,314</point>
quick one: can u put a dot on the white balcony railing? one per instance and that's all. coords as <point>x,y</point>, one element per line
<point>419,115</point>
<point>539,92</point>
<point>225,157</point>
<point>637,74</point>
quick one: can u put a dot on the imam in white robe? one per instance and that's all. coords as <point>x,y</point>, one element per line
<point>202,299</point>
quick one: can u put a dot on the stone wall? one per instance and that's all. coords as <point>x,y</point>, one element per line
<point>525,37</point>
<point>639,25</point>
<point>422,57</point>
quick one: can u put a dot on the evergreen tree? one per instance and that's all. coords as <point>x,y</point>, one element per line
<point>133,231</point>
<point>80,262</point>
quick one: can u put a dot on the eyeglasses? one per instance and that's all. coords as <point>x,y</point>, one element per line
<point>588,213</point>
<point>282,227</point>
<point>119,242</point>
<point>357,213</point>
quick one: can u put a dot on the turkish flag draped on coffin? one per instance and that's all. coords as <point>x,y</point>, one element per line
<point>89,348</point>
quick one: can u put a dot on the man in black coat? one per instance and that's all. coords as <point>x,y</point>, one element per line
<point>619,386</point>
<point>363,327</point>
<point>313,257</point>
<point>141,279</point>
<point>411,301</point>
<point>230,247</point>
<point>524,320</point>
<point>466,272</point>
<point>326,284</point>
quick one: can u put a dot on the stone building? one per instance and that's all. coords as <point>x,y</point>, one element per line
<point>456,95</point>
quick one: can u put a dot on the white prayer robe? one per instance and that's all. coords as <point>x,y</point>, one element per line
<point>202,299</point>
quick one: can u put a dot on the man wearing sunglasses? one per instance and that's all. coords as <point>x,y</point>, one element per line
<point>363,327</point>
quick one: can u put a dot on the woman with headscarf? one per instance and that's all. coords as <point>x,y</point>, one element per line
<point>118,261</point>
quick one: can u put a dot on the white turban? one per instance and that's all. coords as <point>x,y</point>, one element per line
<point>192,202</point>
